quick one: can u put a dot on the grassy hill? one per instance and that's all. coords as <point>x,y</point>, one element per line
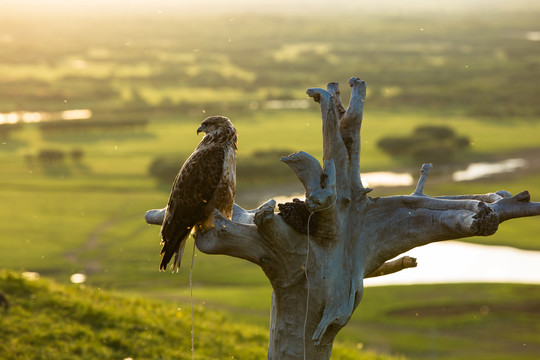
<point>46,320</point>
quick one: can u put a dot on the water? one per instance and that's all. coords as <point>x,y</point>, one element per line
<point>77,278</point>
<point>458,262</point>
<point>34,117</point>
<point>447,262</point>
<point>479,170</point>
<point>386,178</point>
<point>532,35</point>
<point>474,171</point>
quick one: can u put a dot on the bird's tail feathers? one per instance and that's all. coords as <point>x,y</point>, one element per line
<point>174,246</point>
<point>178,256</point>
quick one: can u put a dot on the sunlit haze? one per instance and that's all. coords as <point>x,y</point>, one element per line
<point>267,6</point>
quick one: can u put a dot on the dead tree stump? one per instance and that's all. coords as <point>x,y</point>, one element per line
<point>318,280</point>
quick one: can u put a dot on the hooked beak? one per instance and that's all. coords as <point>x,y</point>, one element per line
<point>199,130</point>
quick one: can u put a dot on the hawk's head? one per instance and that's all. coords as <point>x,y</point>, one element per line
<point>216,124</point>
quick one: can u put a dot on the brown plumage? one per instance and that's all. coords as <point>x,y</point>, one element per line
<point>206,181</point>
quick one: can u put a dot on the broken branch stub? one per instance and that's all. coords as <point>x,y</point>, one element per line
<point>318,278</point>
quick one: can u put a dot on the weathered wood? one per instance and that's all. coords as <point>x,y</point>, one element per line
<point>318,279</point>
<point>391,267</point>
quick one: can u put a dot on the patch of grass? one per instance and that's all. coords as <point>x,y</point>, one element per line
<point>91,323</point>
<point>453,321</point>
<point>46,320</point>
<point>446,321</point>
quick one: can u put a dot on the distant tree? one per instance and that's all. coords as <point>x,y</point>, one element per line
<point>429,143</point>
<point>164,168</point>
<point>51,155</point>
<point>76,154</point>
<point>7,129</point>
<point>29,158</point>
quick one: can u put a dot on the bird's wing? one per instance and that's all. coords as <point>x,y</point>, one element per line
<point>192,190</point>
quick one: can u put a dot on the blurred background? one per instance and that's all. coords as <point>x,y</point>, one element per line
<point>99,106</point>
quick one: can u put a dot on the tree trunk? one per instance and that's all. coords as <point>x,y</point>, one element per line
<point>318,278</point>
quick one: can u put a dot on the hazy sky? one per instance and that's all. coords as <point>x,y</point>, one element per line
<point>296,6</point>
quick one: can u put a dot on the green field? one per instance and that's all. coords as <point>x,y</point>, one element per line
<point>46,320</point>
<point>494,321</point>
<point>478,76</point>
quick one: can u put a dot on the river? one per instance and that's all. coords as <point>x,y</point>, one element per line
<point>39,116</point>
<point>473,171</point>
<point>459,262</point>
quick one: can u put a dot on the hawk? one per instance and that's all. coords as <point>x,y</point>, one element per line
<point>206,181</point>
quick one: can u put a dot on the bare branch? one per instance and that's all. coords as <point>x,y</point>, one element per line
<point>424,173</point>
<point>270,226</point>
<point>333,146</point>
<point>349,129</point>
<point>427,202</point>
<point>405,228</point>
<point>332,142</point>
<point>155,216</point>
<point>243,216</point>
<point>391,267</point>
<point>307,169</point>
<point>488,198</point>
<point>233,239</point>
<point>516,206</point>
<point>333,88</point>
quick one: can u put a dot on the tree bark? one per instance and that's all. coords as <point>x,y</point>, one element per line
<point>318,279</point>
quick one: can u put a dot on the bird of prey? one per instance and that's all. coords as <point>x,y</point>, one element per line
<point>206,181</point>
